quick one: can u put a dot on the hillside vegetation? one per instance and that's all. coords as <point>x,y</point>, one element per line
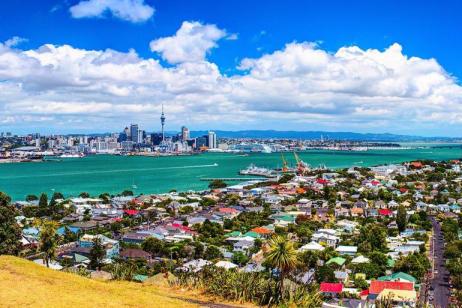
<point>23,283</point>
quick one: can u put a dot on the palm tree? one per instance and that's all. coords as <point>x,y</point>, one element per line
<point>283,256</point>
<point>48,239</point>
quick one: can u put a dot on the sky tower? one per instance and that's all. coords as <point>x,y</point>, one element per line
<point>162,122</point>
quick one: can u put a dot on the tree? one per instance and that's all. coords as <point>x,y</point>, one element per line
<point>282,256</point>
<point>84,195</point>
<point>212,252</point>
<point>48,240</point>
<point>126,193</point>
<point>240,259</point>
<point>215,184</point>
<point>153,245</point>
<point>10,232</point>
<point>401,219</point>
<point>31,198</point>
<point>43,205</point>
<point>415,264</point>
<point>97,253</point>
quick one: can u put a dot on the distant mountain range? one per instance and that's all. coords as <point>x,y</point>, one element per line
<point>267,134</point>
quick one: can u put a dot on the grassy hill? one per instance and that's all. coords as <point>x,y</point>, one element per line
<point>23,283</point>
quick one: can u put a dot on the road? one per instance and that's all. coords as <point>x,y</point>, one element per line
<point>440,281</point>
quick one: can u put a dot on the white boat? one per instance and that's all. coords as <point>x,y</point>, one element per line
<point>71,155</point>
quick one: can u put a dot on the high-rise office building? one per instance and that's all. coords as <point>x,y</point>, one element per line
<point>212,140</point>
<point>140,137</point>
<point>156,139</point>
<point>134,133</point>
<point>185,133</point>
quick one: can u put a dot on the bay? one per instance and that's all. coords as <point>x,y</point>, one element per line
<point>113,174</point>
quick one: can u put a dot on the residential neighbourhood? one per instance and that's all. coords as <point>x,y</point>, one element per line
<point>361,235</point>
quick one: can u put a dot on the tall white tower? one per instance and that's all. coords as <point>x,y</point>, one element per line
<point>162,122</point>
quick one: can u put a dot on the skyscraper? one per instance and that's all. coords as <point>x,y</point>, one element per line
<point>162,122</point>
<point>134,132</point>
<point>185,133</point>
<point>213,140</point>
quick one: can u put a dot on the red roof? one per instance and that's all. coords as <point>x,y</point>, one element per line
<point>261,230</point>
<point>228,210</point>
<point>416,164</point>
<point>321,181</point>
<point>181,227</point>
<point>329,287</point>
<point>131,212</point>
<point>375,182</point>
<point>385,212</point>
<point>364,293</point>
<point>378,286</point>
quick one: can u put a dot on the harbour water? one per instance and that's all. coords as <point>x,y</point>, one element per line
<point>105,173</point>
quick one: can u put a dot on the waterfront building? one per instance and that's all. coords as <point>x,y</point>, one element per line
<point>134,133</point>
<point>202,142</point>
<point>185,133</point>
<point>156,139</point>
<point>212,142</point>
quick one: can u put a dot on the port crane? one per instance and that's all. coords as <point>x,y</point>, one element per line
<point>302,167</point>
<point>285,167</point>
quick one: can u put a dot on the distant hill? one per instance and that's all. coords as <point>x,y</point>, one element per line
<point>26,284</point>
<point>310,135</point>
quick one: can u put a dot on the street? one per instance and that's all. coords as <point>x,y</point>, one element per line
<point>439,287</point>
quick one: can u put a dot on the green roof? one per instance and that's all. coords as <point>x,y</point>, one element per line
<point>253,234</point>
<point>80,258</point>
<point>289,218</point>
<point>140,278</point>
<point>233,234</point>
<point>337,260</point>
<point>398,276</point>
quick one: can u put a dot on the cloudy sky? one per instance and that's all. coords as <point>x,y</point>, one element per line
<point>69,66</point>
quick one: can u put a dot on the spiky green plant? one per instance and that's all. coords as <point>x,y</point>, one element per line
<point>281,255</point>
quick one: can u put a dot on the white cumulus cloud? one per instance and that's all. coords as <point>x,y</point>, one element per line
<point>130,10</point>
<point>190,43</point>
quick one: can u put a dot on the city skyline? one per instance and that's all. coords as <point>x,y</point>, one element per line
<point>306,70</point>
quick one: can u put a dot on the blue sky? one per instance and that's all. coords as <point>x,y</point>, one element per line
<point>240,73</point>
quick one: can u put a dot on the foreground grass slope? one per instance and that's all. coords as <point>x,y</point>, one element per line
<point>23,283</point>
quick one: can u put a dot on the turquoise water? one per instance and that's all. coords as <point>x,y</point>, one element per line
<point>113,174</point>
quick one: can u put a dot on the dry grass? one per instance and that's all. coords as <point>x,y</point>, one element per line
<point>25,284</point>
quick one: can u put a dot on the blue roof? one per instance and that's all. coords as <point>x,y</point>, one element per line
<point>31,231</point>
<point>61,230</point>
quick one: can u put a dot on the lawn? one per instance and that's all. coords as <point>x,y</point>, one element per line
<point>23,283</point>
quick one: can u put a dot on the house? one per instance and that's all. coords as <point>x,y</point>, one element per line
<point>226,265</point>
<point>135,238</point>
<point>347,250</point>
<point>385,212</point>
<point>195,265</point>
<point>311,246</point>
<point>243,246</point>
<point>330,289</point>
<point>133,253</point>
<point>377,286</point>
<point>110,246</point>
<point>360,260</point>
<point>336,260</point>
<point>326,236</point>
<point>399,298</point>
<point>399,276</point>
<point>341,276</point>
